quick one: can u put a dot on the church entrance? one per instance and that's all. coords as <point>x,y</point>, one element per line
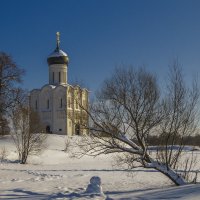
<point>48,129</point>
<point>77,129</point>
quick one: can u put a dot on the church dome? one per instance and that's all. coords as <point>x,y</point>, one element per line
<point>58,56</point>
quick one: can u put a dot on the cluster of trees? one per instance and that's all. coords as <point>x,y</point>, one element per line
<point>16,118</point>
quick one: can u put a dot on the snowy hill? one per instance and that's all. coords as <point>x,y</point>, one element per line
<point>55,175</point>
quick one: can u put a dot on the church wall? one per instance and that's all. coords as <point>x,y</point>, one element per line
<point>61,119</point>
<point>84,115</point>
<point>77,97</point>
<point>70,110</point>
<point>59,110</point>
<point>34,99</point>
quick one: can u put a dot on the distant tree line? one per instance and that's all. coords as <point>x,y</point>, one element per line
<point>156,140</point>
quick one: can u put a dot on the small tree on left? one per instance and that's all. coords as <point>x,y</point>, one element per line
<point>27,131</point>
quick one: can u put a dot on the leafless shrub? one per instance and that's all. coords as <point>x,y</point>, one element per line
<point>27,132</point>
<point>3,154</point>
<point>68,144</point>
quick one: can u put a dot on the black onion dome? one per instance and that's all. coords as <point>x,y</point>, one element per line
<point>58,57</point>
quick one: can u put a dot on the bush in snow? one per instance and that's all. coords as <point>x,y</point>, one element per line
<point>27,131</point>
<point>3,154</point>
<point>68,144</point>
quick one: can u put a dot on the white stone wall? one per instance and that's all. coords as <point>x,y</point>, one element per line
<point>59,110</point>
<point>46,105</point>
<point>54,112</point>
<point>34,99</point>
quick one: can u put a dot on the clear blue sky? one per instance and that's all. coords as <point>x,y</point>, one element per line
<point>99,35</point>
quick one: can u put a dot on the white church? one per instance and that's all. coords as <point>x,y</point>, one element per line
<point>58,103</point>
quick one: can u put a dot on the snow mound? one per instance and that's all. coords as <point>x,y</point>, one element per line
<point>95,186</point>
<point>93,191</point>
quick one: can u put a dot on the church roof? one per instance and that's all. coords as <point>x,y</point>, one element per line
<point>57,53</point>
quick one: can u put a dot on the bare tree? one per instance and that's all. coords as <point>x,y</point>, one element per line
<point>129,109</point>
<point>10,76</point>
<point>27,132</point>
<point>3,154</point>
<point>180,121</point>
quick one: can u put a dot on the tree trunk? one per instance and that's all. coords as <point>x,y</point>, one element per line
<point>170,173</point>
<point>23,158</point>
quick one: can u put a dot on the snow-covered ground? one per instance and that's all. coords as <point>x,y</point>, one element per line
<point>55,175</point>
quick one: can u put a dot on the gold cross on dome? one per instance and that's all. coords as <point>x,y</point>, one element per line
<point>58,39</point>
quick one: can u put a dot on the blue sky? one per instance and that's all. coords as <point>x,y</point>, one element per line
<point>99,35</point>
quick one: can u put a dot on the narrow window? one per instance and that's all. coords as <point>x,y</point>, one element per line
<point>53,77</point>
<point>69,102</point>
<point>77,129</point>
<point>61,103</point>
<point>48,104</point>
<point>84,105</point>
<point>76,104</point>
<point>59,77</point>
<point>36,106</point>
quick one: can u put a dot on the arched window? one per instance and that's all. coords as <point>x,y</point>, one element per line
<point>53,77</point>
<point>69,102</point>
<point>77,106</point>
<point>48,129</point>
<point>77,129</point>
<point>47,103</point>
<point>84,103</point>
<point>36,105</point>
<point>59,77</point>
<point>61,103</point>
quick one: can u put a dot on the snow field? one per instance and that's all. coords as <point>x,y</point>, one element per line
<point>55,175</point>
